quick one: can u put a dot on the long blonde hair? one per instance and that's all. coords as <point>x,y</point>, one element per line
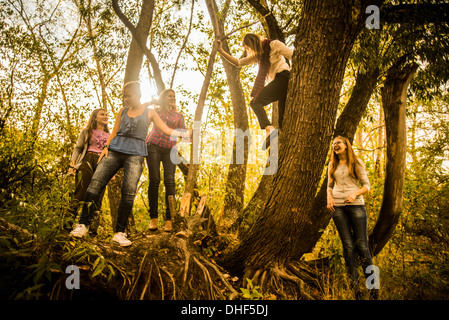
<point>351,162</point>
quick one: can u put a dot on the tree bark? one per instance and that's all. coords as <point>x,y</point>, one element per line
<point>138,44</point>
<point>193,167</point>
<point>285,229</point>
<point>132,71</point>
<point>235,183</point>
<point>394,101</point>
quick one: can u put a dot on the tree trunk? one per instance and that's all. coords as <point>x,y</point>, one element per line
<point>39,107</point>
<point>394,101</point>
<point>378,167</point>
<point>285,229</point>
<point>353,112</point>
<point>193,167</point>
<point>346,126</point>
<point>235,183</point>
<point>140,34</point>
<point>132,71</point>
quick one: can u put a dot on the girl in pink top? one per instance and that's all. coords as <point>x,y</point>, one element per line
<point>86,154</point>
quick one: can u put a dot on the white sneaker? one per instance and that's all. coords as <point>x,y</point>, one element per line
<point>121,239</point>
<point>79,231</point>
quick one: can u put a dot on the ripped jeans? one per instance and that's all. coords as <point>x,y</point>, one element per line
<point>132,169</point>
<point>351,223</point>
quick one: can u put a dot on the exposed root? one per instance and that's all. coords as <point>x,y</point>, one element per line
<point>277,280</point>
<point>172,268</point>
<point>234,293</point>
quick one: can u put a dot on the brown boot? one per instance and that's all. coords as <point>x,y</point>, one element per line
<point>168,226</point>
<point>153,225</point>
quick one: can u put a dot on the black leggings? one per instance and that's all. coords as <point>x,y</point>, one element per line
<point>276,90</point>
<point>156,155</point>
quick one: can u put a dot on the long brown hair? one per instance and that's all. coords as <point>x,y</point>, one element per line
<point>161,100</point>
<point>253,42</point>
<point>92,123</point>
<point>352,159</point>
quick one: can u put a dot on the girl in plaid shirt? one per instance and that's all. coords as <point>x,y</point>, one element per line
<point>159,146</point>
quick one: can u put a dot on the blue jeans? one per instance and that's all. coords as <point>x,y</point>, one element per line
<point>132,169</point>
<point>351,223</point>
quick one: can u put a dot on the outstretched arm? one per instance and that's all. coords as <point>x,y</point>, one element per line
<point>226,55</point>
<point>153,116</point>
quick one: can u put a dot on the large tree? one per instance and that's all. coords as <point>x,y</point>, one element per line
<point>285,228</point>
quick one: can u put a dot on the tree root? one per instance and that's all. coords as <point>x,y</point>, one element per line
<point>157,266</point>
<point>182,272</point>
<point>276,281</point>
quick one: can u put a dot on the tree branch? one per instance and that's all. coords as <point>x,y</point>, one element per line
<point>154,64</point>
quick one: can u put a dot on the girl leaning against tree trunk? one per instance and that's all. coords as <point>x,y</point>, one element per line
<point>347,182</point>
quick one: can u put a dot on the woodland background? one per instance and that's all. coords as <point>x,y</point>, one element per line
<point>59,60</point>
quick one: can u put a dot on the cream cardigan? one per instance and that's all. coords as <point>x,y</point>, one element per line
<point>344,183</point>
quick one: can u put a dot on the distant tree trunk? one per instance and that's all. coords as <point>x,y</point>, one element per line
<point>358,142</point>
<point>132,71</point>
<point>101,78</point>
<point>394,102</point>
<point>39,107</point>
<point>235,183</point>
<point>285,229</point>
<point>378,167</point>
<point>186,199</point>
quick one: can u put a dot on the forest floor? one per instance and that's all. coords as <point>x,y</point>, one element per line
<point>414,265</point>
